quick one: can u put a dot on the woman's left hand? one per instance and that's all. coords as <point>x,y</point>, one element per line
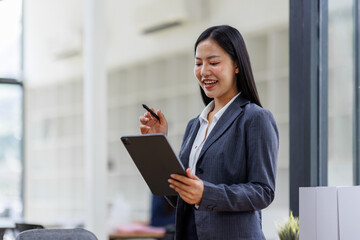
<point>190,188</point>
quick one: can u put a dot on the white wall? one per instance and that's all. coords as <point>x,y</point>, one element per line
<point>51,29</point>
<point>53,32</point>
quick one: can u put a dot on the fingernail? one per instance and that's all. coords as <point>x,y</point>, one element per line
<point>172,175</point>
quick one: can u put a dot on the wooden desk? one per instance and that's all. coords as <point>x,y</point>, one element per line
<point>136,235</point>
<point>3,229</point>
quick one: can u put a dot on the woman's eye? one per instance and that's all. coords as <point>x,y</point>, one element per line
<point>215,63</point>
<point>197,64</point>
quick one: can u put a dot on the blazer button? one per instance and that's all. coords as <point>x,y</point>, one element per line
<point>200,171</point>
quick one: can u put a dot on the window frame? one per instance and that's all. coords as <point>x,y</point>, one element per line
<point>356,140</point>
<point>308,96</point>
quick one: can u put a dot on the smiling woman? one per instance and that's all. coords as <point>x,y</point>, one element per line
<point>230,150</point>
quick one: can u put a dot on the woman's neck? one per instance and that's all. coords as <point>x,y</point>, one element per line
<point>221,102</point>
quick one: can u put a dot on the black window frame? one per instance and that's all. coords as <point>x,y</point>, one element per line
<point>308,96</point>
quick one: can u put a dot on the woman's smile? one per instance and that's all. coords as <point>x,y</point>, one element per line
<point>209,83</point>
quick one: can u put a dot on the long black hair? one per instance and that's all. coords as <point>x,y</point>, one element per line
<point>232,42</point>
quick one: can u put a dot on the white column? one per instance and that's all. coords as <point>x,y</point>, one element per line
<point>95,118</point>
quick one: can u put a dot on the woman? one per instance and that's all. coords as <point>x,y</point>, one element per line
<point>230,149</point>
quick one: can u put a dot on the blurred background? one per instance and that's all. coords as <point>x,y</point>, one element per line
<point>148,59</point>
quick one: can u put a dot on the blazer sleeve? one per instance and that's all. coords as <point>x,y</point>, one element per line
<point>262,141</point>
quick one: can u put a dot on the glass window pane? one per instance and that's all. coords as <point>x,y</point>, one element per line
<point>10,40</point>
<point>341,82</point>
<point>10,151</point>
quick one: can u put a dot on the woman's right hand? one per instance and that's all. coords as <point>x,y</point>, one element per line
<point>149,124</point>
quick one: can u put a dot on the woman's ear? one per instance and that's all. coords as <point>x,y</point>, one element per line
<point>236,68</point>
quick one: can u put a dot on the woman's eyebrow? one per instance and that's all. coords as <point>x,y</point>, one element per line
<point>210,57</point>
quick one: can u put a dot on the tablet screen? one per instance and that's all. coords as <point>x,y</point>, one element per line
<point>155,159</point>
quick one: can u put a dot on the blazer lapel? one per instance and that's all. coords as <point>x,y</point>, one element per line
<point>224,122</point>
<point>188,145</point>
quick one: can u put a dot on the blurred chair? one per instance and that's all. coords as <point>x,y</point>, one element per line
<point>169,232</point>
<point>56,234</point>
<point>163,215</point>
<point>20,227</point>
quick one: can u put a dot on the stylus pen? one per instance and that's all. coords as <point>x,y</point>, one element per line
<point>151,112</point>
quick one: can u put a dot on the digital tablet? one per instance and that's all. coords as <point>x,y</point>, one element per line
<point>155,159</point>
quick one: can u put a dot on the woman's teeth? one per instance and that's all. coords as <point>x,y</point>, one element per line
<point>207,82</point>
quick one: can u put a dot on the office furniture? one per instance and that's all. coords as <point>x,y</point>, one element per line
<point>3,229</point>
<point>318,213</point>
<point>138,235</point>
<point>329,213</point>
<point>56,234</point>
<point>21,227</point>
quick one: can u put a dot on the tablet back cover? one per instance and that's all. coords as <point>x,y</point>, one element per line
<point>155,159</point>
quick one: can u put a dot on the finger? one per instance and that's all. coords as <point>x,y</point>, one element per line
<point>144,129</point>
<point>186,196</point>
<point>161,117</point>
<point>181,178</point>
<point>149,115</point>
<point>144,120</point>
<point>153,117</point>
<point>180,187</point>
<point>181,191</point>
<point>191,175</point>
<point>145,114</point>
<point>150,119</point>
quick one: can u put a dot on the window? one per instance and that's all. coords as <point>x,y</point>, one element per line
<point>341,92</point>
<point>11,110</point>
<point>325,96</point>
<point>10,150</point>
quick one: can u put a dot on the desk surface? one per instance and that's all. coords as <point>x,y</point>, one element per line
<point>135,235</point>
<point>5,228</point>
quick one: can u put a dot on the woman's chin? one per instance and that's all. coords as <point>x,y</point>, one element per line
<point>210,94</point>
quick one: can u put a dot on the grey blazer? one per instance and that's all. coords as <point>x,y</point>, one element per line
<point>238,166</point>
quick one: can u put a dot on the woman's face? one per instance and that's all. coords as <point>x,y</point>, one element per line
<point>215,71</point>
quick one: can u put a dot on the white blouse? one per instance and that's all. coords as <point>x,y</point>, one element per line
<point>201,135</point>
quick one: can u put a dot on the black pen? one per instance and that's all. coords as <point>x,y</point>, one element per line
<point>151,112</point>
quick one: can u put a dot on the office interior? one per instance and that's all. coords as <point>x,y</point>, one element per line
<point>49,140</point>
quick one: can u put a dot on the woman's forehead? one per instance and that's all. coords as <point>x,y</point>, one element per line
<point>209,48</point>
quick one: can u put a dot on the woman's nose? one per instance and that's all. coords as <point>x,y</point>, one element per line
<point>204,70</point>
